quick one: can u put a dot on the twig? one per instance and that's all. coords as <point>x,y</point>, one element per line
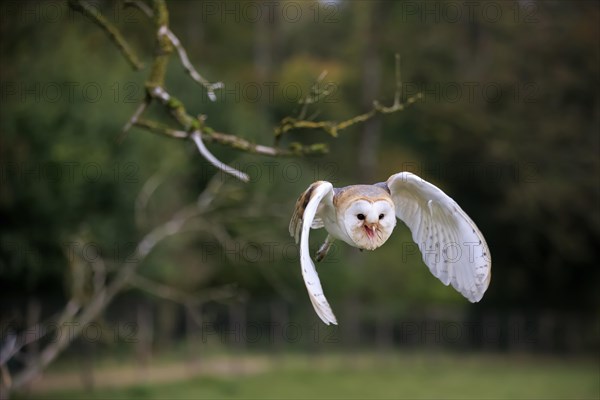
<point>314,96</point>
<point>113,33</point>
<point>136,114</point>
<point>209,193</point>
<point>143,197</point>
<point>210,87</point>
<point>185,60</point>
<point>398,80</point>
<point>333,128</point>
<point>197,138</point>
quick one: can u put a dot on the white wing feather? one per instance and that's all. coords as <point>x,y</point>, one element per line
<point>309,273</point>
<point>450,243</point>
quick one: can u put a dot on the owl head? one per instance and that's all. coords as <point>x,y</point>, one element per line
<point>369,218</point>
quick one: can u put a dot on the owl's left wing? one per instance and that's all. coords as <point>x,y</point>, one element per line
<point>318,194</point>
<point>450,243</point>
<point>296,222</point>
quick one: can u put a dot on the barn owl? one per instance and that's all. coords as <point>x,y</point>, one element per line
<point>364,216</point>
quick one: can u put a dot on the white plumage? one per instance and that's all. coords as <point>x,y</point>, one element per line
<point>364,216</point>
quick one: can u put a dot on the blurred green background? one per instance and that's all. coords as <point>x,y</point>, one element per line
<point>508,127</point>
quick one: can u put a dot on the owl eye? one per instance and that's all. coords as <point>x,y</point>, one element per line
<point>360,216</point>
<point>381,216</point>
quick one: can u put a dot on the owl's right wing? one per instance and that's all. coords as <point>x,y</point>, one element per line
<point>451,245</point>
<point>318,195</point>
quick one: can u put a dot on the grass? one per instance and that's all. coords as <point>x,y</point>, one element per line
<point>364,376</point>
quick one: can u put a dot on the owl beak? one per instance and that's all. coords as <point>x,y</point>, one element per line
<point>370,229</point>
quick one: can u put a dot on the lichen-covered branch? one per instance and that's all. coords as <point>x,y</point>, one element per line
<point>185,60</point>
<point>113,33</point>
<point>332,128</point>
<point>167,42</point>
<point>163,47</point>
<point>236,142</point>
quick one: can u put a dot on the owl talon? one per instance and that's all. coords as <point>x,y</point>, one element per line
<point>324,249</point>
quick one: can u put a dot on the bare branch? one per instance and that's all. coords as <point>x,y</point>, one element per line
<point>187,299</point>
<point>99,274</point>
<point>197,138</point>
<point>48,354</point>
<point>16,343</point>
<point>113,33</point>
<point>83,315</point>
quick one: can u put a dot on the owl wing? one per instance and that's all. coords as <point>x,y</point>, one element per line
<point>296,222</point>
<point>318,194</point>
<point>450,243</point>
